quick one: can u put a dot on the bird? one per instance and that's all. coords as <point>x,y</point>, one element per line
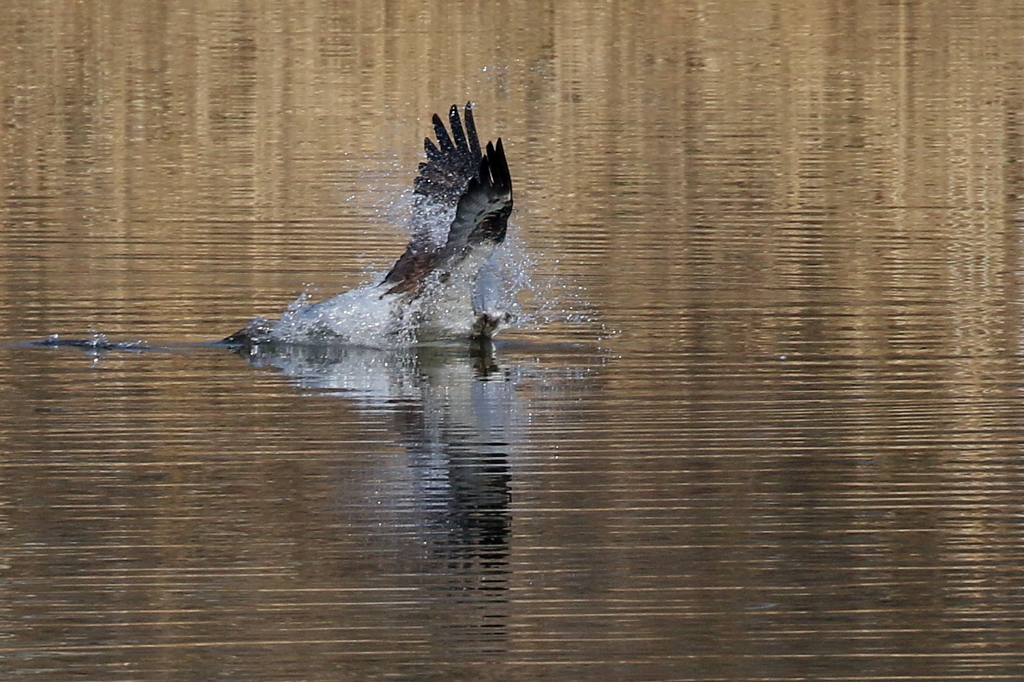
<point>428,294</point>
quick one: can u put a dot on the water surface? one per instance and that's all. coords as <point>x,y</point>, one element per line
<point>765,423</point>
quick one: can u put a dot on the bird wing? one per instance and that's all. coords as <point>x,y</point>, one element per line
<point>456,175</point>
<point>450,163</point>
<point>484,207</point>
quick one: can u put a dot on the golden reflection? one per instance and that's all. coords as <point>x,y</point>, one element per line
<point>876,140</point>
<point>803,218</point>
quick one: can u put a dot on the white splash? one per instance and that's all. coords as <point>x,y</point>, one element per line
<point>360,317</point>
<point>367,316</point>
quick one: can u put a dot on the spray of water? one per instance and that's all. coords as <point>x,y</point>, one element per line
<point>506,288</point>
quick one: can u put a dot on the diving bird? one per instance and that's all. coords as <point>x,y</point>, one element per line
<point>428,294</point>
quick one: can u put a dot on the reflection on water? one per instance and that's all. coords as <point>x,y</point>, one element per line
<point>456,412</point>
<point>313,510</point>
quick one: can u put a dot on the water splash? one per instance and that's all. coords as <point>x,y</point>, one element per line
<point>95,343</point>
<point>360,317</point>
<point>506,288</point>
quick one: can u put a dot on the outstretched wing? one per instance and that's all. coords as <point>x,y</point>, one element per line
<point>455,176</point>
<point>484,208</point>
<point>450,163</point>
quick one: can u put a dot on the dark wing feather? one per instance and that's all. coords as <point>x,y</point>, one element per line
<point>481,216</point>
<point>484,208</point>
<point>450,163</point>
<point>443,180</point>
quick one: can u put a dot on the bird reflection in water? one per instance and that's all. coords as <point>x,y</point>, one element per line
<point>455,411</point>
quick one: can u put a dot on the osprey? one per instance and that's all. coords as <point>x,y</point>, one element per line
<point>428,294</point>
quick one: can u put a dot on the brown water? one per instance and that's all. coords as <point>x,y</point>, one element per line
<point>798,457</point>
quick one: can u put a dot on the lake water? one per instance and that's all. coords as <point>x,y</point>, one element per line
<point>763,419</point>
